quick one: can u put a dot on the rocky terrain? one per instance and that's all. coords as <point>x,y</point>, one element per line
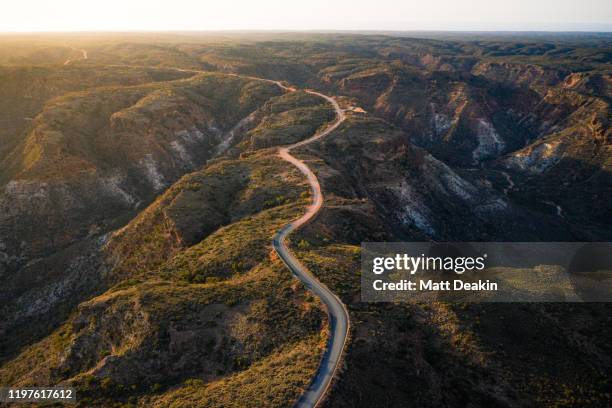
<point>140,189</point>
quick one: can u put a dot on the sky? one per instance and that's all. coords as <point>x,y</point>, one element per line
<point>395,15</point>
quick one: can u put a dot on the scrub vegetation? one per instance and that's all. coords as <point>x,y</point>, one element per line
<point>140,189</point>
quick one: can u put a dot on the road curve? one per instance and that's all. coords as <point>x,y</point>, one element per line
<point>336,310</point>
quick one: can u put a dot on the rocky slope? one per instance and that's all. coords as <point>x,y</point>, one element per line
<point>159,325</point>
<point>105,309</point>
<point>442,354</point>
<point>138,204</point>
<point>25,89</point>
<point>418,194</point>
<point>104,153</point>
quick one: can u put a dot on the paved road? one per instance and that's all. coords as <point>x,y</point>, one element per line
<point>337,313</point>
<point>336,310</point>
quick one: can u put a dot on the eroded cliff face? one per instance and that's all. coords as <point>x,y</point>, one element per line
<point>106,307</point>
<point>520,75</point>
<point>94,158</point>
<point>135,222</point>
<point>195,294</point>
<point>380,187</point>
<point>25,89</point>
<point>91,162</point>
<point>538,133</point>
<point>418,195</point>
<point>466,119</point>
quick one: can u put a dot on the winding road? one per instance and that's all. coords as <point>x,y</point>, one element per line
<point>336,310</point>
<point>339,322</point>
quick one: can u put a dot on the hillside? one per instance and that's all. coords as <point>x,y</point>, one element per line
<point>233,307</point>
<point>202,247</point>
<point>140,189</point>
<point>442,353</point>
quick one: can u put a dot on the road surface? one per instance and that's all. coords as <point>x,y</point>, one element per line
<point>337,313</point>
<point>336,310</point>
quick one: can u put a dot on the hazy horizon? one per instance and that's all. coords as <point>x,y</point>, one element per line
<point>309,31</point>
<point>34,16</point>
